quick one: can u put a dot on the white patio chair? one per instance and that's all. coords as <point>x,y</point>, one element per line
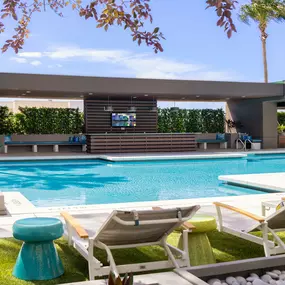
<point>241,223</point>
<point>128,230</point>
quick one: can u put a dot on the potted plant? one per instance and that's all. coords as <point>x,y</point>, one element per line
<point>233,125</point>
<point>127,280</point>
<point>281,129</point>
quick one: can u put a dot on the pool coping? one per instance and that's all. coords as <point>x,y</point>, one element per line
<point>265,181</point>
<point>144,157</point>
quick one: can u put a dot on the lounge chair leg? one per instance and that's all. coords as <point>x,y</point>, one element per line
<point>110,257</point>
<point>264,229</point>
<point>90,259</point>
<point>169,253</point>
<point>186,247</point>
<point>220,219</point>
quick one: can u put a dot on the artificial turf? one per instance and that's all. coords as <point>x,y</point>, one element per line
<point>226,248</point>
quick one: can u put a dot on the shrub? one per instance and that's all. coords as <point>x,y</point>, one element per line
<point>191,121</point>
<point>6,121</point>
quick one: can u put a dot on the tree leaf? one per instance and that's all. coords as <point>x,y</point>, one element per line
<point>155,31</point>
<point>229,33</point>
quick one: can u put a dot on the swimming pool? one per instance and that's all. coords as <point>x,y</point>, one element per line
<point>77,182</point>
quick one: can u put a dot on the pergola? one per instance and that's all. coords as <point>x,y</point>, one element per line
<point>254,104</point>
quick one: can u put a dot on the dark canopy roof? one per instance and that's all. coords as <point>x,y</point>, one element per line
<point>76,87</point>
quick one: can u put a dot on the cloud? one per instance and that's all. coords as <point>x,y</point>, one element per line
<point>54,65</point>
<point>140,65</point>
<point>30,54</point>
<point>19,60</point>
<point>35,63</point>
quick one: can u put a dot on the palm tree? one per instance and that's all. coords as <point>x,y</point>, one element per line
<point>262,12</point>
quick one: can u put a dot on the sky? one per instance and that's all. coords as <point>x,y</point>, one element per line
<point>195,48</point>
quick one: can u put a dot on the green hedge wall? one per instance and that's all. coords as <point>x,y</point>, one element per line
<point>194,120</point>
<point>42,121</point>
<point>71,121</point>
<point>6,120</point>
<point>281,118</point>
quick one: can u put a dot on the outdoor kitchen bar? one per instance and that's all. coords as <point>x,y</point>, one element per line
<point>129,126</point>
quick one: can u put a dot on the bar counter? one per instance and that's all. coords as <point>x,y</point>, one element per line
<point>140,142</point>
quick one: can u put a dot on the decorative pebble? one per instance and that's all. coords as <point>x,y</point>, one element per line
<point>241,280</point>
<point>273,275</point>
<point>214,281</point>
<point>258,281</point>
<point>231,280</point>
<point>282,276</point>
<point>266,278</point>
<point>278,272</point>
<point>251,279</point>
<point>254,275</point>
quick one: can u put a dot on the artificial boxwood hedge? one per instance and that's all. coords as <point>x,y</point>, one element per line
<point>41,121</point>
<point>189,121</point>
<point>68,121</point>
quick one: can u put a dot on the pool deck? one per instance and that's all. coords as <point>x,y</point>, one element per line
<point>200,154</point>
<point>19,207</point>
<point>266,181</point>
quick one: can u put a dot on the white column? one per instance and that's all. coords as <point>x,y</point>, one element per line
<point>35,148</point>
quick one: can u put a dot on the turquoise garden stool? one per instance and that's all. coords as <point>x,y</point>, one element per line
<point>38,258</point>
<point>200,249</point>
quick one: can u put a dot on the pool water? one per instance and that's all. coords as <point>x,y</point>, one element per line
<point>77,182</point>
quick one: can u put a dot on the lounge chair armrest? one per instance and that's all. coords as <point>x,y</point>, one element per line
<point>188,226</point>
<point>240,211</point>
<point>73,222</point>
<point>185,225</point>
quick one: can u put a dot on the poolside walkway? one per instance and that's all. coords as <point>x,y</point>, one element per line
<point>267,181</point>
<point>19,207</point>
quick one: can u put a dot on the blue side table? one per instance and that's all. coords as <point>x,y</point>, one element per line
<point>38,258</point>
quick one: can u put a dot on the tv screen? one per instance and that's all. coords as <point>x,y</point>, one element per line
<point>124,120</point>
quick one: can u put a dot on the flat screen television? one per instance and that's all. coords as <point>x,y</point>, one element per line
<point>124,120</point>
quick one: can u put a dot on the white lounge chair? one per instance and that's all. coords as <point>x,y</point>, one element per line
<point>128,230</point>
<point>2,205</point>
<point>241,223</point>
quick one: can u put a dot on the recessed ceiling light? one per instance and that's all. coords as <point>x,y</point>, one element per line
<point>183,98</point>
<point>90,93</point>
<point>134,97</point>
<point>243,96</point>
<point>23,94</point>
<point>28,92</point>
<point>227,98</point>
<point>197,96</point>
<point>81,96</point>
<point>145,95</point>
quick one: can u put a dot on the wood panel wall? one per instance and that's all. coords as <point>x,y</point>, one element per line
<point>140,143</point>
<point>99,121</point>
